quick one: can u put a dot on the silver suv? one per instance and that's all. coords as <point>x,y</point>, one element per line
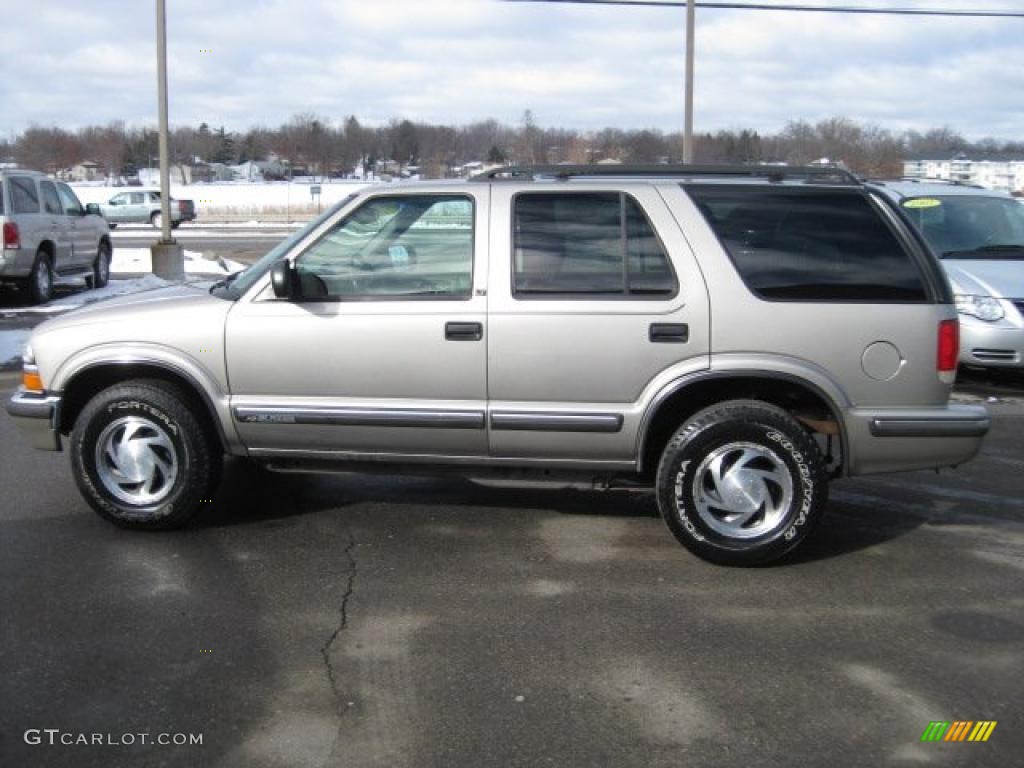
<point>730,337</point>
<point>48,234</point>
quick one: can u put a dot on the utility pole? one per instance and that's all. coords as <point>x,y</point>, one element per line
<point>167,255</point>
<point>691,13</point>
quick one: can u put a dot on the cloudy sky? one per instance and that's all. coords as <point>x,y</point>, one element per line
<point>245,62</point>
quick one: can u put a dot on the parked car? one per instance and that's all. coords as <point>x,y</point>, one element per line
<point>979,236</point>
<point>142,206</point>
<point>731,338</point>
<point>49,235</point>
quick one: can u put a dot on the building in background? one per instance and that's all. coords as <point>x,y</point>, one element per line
<point>1001,171</point>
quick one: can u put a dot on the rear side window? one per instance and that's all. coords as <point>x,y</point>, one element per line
<point>798,244</point>
<point>2,198</point>
<point>24,198</point>
<point>583,244</point>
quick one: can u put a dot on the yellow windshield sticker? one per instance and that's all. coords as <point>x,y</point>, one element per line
<point>923,202</point>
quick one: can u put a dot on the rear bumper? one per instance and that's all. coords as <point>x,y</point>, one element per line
<point>37,418</point>
<point>15,262</point>
<point>899,439</point>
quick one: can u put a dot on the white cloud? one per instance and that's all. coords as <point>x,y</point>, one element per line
<point>462,60</point>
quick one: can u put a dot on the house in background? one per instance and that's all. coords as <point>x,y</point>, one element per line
<point>86,170</point>
<point>993,170</point>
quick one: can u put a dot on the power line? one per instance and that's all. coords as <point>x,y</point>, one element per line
<point>961,13</point>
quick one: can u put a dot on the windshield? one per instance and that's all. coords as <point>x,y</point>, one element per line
<point>240,282</point>
<point>969,226</point>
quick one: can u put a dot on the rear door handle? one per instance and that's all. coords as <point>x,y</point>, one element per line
<point>669,333</point>
<point>464,331</point>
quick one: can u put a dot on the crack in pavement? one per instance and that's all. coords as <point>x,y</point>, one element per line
<point>325,649</point>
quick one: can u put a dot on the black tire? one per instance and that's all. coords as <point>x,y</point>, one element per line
<point>156,415</point>
<point>175,224</point>
<point>760,450</point>
<point>40,279</point>
<point>101,267</point>
<point>111,225</point>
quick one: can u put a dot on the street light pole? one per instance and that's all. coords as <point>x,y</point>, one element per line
<point>691,12</point>
<point>167,255</point>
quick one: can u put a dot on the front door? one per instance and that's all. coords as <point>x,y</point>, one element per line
<point>83,234</point>
<point>384,352</point>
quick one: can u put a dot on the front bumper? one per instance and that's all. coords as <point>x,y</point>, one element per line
<point>901,439</point>
<point>991,346</point>
<point>37,418</point>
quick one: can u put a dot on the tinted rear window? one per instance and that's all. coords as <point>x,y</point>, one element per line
<point>585,244</point>
<point>797,244</point>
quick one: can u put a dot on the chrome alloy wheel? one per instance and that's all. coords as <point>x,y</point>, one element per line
<point>136,461</point>
<point>742,490</point>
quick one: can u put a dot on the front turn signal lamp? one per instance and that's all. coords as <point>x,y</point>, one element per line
<point>31,381</point>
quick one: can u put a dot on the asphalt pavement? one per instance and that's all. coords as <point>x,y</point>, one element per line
<point>353,620</point>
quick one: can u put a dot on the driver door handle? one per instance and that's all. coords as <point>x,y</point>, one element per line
<point>464,331</point>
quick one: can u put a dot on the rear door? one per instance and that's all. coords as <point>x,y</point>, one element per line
<point>595,302</point>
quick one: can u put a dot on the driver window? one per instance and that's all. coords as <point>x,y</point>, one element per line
<point>396,247</point>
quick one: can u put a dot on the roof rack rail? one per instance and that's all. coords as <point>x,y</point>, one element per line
<point>818,173</point>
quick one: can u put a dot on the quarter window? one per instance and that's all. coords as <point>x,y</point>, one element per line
<point>798,244</point>
<point>585,244</point>
<point>396,247</point>
<point>51,203</point>
<point>24,198</point>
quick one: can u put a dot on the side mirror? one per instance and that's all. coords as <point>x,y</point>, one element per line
<point>92,209</point>
<point>282,279</point>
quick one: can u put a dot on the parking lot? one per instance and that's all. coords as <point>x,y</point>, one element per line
<point>373,620</point>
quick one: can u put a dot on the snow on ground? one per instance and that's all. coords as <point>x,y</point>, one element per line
<point>136,260</point>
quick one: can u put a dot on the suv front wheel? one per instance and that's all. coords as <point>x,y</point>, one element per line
<point>141,457</point>
<point>741,483</point>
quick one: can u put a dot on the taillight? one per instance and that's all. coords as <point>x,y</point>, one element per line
<point>181,206</point>
<point>12,237</point>
<point>949,349</point>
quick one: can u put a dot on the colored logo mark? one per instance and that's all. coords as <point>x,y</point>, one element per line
<point>959,730</point>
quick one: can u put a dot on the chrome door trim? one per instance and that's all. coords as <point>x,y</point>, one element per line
<point>555,421</point>
<point>362,417</point>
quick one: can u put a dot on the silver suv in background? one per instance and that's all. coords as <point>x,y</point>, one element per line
<point>978,235</point>
<point>730,338</point>
<point>142,206</point>
<point>48,235</point>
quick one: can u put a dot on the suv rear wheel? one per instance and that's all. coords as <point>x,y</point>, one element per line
<point>741,483</point>
<point>141,456</point>
<point>40,280</point>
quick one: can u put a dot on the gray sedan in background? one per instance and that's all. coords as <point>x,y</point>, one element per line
<point>979,236</point>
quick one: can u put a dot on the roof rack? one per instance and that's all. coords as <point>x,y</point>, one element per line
<point>826,174</point>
